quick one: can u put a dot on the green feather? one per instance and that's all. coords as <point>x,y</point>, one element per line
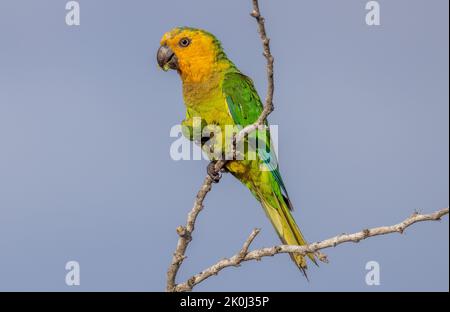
<point>245,107</point>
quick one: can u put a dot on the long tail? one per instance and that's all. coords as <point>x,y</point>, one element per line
<point>278,209</point>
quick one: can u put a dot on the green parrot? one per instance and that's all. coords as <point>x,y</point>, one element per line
<point>217,92</point>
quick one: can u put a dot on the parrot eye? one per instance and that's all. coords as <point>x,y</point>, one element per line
<point>184,42</point>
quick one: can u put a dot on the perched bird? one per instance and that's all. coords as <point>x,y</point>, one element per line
<point>217,92</point>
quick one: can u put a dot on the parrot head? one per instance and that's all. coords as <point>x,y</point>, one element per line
<point>192,52</point>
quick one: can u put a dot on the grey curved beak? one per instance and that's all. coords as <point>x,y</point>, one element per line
<point>166,58</point>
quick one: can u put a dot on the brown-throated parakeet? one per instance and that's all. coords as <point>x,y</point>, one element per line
<point>218,93</point>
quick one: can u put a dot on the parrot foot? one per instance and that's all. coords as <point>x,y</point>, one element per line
<point>211,170</point>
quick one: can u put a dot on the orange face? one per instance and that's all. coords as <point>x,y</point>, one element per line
<point>192,52</point>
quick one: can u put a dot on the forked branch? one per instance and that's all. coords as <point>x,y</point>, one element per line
<point>258,254</point>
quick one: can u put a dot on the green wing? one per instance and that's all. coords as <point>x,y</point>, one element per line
<point>245,107</point>
<point>243,101</point>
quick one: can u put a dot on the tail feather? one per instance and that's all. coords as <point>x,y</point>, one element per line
<point>278,209</point>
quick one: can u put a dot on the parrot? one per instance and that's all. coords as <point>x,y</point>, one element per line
<point>216,91</point>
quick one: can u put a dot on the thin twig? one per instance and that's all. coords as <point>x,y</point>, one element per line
<point>185,232</point>
<point>268,107</point>
<point>257,254</point>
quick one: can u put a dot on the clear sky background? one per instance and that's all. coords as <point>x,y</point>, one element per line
<point>85,171</point>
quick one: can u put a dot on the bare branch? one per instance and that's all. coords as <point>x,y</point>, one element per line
<point>268,107</point>
<point>215,269</point>
<point>257,254</point>
<point>185,232</point>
